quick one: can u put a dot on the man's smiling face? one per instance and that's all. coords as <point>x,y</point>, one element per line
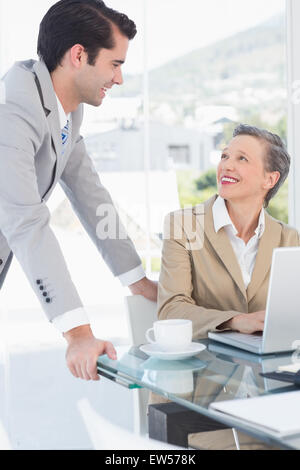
<point>92,81</point>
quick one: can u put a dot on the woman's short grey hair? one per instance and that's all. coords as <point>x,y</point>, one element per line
<point>277,157</point>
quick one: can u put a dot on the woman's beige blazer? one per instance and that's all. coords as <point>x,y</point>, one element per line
<point>204,283</point>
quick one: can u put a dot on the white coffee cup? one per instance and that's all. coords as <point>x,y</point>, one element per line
<point>171,335</point>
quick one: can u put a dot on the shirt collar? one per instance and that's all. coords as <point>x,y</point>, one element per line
<point>222,219</point>
<point>63,117</point>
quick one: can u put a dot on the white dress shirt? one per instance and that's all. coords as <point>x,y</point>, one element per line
<point>79,317</point>
<point>246,256</point>
<point>245,253</point>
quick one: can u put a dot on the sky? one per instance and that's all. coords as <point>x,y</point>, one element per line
<point>174,27</point>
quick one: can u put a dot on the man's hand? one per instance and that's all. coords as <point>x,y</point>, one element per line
<point>247,323</point>
<point>83,352</point>
<point>146,288</point>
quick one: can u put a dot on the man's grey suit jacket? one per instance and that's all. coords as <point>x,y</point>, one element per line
<point>31,164</point>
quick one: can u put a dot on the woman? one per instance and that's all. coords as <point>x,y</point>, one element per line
<point>220,281</point>
<point>223,283</point>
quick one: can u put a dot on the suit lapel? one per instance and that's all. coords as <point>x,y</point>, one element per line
<point>48,98</point>
<point>221,244</point>
<point>269,241</point>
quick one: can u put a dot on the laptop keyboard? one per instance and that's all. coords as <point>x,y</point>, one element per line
<point>250,339</point>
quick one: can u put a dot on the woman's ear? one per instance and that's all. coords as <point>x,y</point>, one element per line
<point>271,180</point>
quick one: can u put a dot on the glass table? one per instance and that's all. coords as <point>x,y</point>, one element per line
<point>218,373</point>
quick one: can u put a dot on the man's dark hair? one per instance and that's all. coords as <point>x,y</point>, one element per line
<point>277,157</point>
<point>85,22</point>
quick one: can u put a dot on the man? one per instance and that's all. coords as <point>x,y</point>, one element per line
<point>82,45</point>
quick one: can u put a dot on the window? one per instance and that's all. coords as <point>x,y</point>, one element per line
<point>187,82</point>
<point>207,73</point>
<point>179,155</point>
<point>293,15</point>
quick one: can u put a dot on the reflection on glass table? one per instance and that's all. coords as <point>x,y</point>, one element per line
<point>218,373</point>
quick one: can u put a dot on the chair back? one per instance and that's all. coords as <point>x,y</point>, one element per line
<point>141,314</point>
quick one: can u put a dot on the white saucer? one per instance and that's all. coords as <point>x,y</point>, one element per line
<point>155,351</point>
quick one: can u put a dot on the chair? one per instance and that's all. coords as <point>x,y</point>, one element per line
<point>106,436</point>
<point>141,313</point>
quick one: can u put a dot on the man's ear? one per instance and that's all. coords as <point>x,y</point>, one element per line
<point>76,55</point>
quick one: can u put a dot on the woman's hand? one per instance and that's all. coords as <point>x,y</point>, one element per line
<point>247,323</point>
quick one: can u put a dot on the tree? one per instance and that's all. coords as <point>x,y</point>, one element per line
<point>207,180</point>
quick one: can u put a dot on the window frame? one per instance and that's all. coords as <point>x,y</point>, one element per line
<point>293,73</point>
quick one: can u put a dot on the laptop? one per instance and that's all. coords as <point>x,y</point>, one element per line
<point>259,363</point>
<point>282,323</point>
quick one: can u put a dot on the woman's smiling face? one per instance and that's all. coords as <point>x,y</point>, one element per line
<point>241,172</point>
